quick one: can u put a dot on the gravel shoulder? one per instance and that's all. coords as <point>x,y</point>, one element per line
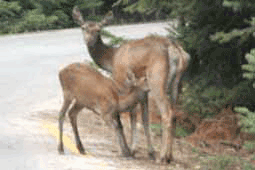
<point>100,142</point>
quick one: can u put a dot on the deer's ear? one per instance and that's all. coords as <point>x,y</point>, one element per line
<point>107,19</point>
<point>131,75</point>
<point>77,17</point>
<point>131,80</point>
<point>143,83</point>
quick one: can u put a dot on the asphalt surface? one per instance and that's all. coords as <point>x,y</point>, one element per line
<point>29,65</point>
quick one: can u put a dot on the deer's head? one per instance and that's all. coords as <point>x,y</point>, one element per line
<point>133,82</point>
<point>90,30</point>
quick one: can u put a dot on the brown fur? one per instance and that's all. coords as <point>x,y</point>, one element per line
<point>101,53</point>
<point>147,57</point>
<point>162,59</point>
<point>88,88</point>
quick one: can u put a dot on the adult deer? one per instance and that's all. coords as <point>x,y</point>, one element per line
<point>105,56</point>
<point>102,54</point>
<point>88,88</point>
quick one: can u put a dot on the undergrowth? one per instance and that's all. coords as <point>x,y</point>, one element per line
<point>179,132</point>
<point>207,99</point>
<point>250,146</point>
<point>223,162</point>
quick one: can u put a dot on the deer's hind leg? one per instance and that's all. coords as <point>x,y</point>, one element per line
<point>145,117</point>
<point>61,119</point>
<point>76,108</point>
<point>158,85</point>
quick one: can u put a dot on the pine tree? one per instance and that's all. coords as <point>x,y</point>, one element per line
<point>144,6</point>
<point>247,117</point>
<point>91,5</point>
<point>217,34</point>
<point>9,13</point>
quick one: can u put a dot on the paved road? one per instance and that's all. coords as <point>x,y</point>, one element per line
<point>29,64</point>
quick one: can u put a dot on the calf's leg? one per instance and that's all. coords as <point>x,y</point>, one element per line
<point>73,119</point>
<point>120,135</point>
<point>61,119</point>
<point>134,135</point>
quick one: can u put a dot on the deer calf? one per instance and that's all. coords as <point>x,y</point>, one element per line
<point>90,89</point>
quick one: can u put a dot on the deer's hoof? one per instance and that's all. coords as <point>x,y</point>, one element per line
<point>130,157</point>
<point>165,160</point>
<point>126,154</point>
<point>81,149</point>
<point>61,150</point>
<point>82,152</point>
<point>133,152</point>
<point>152,155</point>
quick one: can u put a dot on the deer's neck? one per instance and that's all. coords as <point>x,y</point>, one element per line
<point>102,54</point>
<point>128,101</point>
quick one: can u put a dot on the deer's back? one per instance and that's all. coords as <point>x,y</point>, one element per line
<point>90,88</point>
<point>140,56</point>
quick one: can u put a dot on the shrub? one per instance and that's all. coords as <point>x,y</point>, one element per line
<point>34,20</point>
<point>63,19</point>
<point>205,98</point>
<point>247,118</point>
<point>222,162</point>
<point>9,13</point>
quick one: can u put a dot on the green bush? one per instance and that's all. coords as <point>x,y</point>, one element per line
<point>34,20</point>
<point>95,18</point>
<point>63,19</point>
<point>250,146</point>
<point>222,162</point>
<point>247,118</point>
<point>9,13</point>
<point>206,99</point>
<point>181,132</point>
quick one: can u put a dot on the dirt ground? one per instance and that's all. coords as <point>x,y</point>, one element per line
<point>99,140</point>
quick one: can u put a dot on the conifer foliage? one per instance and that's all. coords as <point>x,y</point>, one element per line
<point>248,117</point>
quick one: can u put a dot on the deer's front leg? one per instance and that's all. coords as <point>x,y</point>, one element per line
<point>120,136</point>
<point>134,135</point>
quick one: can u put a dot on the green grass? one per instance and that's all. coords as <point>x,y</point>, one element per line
<point>250,146</point>
<point>248,166</point>
<point>253,157</point>
<point>156,128</point>
<point>181,132</point>
<point>222,162</point>
<point>195,150</point>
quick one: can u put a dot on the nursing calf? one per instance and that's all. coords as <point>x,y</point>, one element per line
<point>87,88</point>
